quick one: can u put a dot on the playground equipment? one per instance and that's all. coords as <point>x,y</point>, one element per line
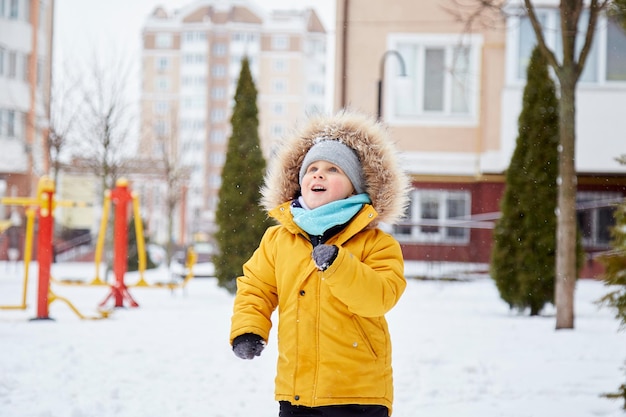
<point>120,197</point>
<point>28,248</point>
<point>44,204</point>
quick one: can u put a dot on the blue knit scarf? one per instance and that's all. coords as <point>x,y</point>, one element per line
<point>316,221</point>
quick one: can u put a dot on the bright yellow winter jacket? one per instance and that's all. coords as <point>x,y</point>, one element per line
<point>333,341</point>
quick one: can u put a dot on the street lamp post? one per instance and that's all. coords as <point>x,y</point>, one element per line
<point>382,77</point>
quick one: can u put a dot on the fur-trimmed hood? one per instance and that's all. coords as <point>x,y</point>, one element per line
<point>386,184</point>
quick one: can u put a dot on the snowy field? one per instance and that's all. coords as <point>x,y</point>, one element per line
<point>458,352</point>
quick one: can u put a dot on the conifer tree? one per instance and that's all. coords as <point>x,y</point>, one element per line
<point>614,262</point>
<point>132,256</point>
<point>241,221</point>
<point>614,277</point>
<point>523,256</point>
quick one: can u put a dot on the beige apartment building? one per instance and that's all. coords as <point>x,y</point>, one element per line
<point>191,62</point>
<point>455,114</point>
<point>25,74</point>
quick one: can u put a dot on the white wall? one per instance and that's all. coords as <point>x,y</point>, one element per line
<point>600,129</point>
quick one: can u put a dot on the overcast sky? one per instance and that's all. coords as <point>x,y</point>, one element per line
<point>112,30</point>
<point>115,25</point>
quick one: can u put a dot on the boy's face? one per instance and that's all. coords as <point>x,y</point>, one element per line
<point>323,183</point>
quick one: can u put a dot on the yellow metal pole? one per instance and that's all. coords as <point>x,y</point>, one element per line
<point>28,248</point>
<point>101,235</point>
<point>141,244</point>
<point>28,244</point>
<point>53,297</point>
<point>19,201</point>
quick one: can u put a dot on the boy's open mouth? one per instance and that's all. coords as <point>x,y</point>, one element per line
<point>317,188</point>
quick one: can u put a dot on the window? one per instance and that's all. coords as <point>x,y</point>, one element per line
<point>194,36</point>
<point>605,63</point>
<point>315,47</point>
<point>278,109</point>
<point>162,83</point>
<point>244,37</point>
<point>218,93</point>
<point>280,65</point>
<point>217,137</point>
<point>595,216</point>
<point>195,58</point>
<point>279,86</point>
<point>217,159</point>
<point>161,107</point>
<point>25,67</point>
<point>2,121</point>
<point>194,102</point>
<point>280,42</point>
<point>314,109</point>
<point>215,181</point>
<point>441,79</point>
<point>196,125</point>
<point>277,129</point>
<point>2,59</point>
<point>316,89</point>
<point>219,49</point>
<point>160,128</point>
<point>163,40</point>
<point>12,69</point>
<point>432,216</point>
<point>40,68</point>
<point>14,9</point>
<point>11,123</point>
<point>42,13</point>
<point>218,115</point>
<point>162,63</point>
<point>218,71</point>
<point>616,52</point>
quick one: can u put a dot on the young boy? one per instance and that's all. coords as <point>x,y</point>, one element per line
<point>328,269</point>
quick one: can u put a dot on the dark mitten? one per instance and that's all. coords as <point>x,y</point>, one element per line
<point>248,345</point>
<point>324,256</point>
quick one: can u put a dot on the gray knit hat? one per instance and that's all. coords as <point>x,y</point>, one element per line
<point>337,153</point>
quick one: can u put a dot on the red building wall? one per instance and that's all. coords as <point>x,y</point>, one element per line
<point>485,198</point>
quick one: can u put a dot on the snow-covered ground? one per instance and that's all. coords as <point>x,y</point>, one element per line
<point>458,351</point>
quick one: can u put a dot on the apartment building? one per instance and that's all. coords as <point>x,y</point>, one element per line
<point>455,114</point>
<point>25,78</point>
<point>191,62</point>
<point>25,74</point>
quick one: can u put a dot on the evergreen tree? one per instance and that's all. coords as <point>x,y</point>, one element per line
<point>132,256</point>
<point>615,277</point>
<point>241,221</point>
<point>523,256</point>
<point>614,262</point>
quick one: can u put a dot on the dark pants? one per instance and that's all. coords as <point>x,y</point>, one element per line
<point>348,410</point>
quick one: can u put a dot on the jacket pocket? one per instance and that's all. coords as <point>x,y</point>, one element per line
<point>363,334</point>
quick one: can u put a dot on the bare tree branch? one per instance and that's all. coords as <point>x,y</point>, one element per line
<point>541,41</point>
<point>595,8</point>
<point>106,120</point>
<point>482,13</point>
